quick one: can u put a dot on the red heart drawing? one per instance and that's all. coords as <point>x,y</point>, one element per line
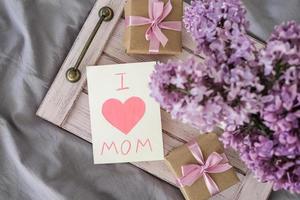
<point>123,116</point>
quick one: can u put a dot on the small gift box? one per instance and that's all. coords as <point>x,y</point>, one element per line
<point>201,168</point>
<point>153,26</point>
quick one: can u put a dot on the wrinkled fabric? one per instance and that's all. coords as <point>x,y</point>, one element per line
<point>37,159</point>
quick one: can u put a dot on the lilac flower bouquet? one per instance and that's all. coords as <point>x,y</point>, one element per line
<point>256,93</point>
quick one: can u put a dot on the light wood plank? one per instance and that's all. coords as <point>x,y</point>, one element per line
<point>62,94</point>
<point>252,189</point>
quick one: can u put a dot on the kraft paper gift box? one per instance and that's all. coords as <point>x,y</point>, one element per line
<point>182,156</point>
<point>135,40</point>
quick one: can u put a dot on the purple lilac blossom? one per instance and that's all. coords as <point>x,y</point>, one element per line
<point>256,94</point>
<point>275,159</point>
<point>274,155</point>
<point>212,22</point>
<point>283,47</point>
<point>198,94</point>
<point>181,89</point>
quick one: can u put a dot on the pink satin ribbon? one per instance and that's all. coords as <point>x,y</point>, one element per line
<point>157,13</point>
<point>215,163</point>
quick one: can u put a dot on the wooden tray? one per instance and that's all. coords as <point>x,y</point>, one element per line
<point>66,104</point>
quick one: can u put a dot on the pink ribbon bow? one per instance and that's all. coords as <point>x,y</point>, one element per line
<point>157,13</point>
<point>215,163</point>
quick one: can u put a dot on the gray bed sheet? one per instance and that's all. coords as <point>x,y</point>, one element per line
<point>39,161</point>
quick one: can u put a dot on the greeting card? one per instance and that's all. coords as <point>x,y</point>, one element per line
<point>125,120</point>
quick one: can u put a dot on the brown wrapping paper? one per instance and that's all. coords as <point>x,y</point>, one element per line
<point>135,42</point>
<point>182,156</point>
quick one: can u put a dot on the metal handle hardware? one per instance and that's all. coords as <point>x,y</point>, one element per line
<point>73,74</point>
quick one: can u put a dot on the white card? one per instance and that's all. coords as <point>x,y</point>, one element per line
<point>125,120</point>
